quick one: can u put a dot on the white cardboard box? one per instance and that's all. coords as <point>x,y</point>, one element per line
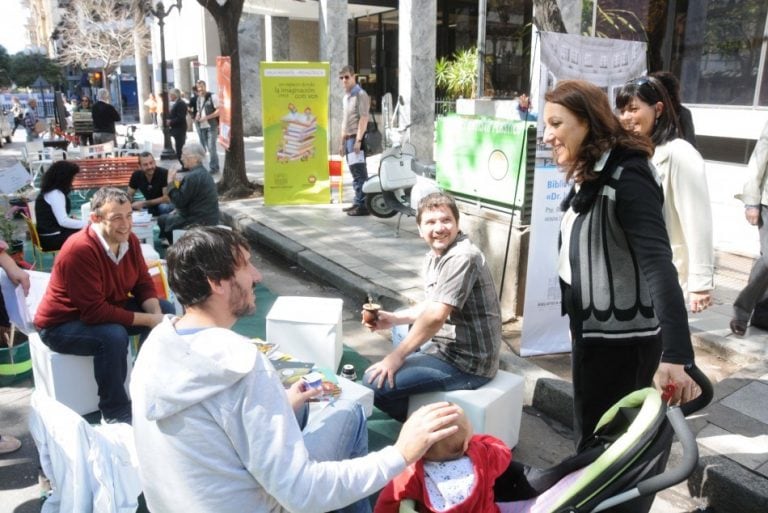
<point>307,328</point>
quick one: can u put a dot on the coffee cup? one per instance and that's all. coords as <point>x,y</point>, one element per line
<point>370,313</point>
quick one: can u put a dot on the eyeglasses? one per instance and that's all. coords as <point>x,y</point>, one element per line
<point>344,77</point>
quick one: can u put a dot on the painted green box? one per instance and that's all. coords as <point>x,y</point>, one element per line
<point>483,158</point>
<point>15,363</point>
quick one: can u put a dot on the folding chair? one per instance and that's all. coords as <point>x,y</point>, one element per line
<point>37,248</point>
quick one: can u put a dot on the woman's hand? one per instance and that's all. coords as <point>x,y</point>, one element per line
<point>424,427</point>
<point>672,380</point>
<point>699,301</point>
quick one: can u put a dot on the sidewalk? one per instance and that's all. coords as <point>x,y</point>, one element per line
<point>361,256</point>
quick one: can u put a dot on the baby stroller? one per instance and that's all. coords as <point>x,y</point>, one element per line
<point>624,460</point>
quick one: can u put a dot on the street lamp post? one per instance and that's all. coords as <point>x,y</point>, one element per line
<point>159,11</point>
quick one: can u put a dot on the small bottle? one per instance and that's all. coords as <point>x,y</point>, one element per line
<point>348,372</point>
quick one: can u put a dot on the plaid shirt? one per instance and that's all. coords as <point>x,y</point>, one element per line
<point>470,339</point>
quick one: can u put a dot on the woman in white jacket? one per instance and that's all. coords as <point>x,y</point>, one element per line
<point>645,107</point>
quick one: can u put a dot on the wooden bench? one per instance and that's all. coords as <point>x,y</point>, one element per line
<point>104,172</point>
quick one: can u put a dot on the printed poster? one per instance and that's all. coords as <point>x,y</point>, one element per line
<point>223,80</point>
<point>295,110</point>
<point>607,63</point>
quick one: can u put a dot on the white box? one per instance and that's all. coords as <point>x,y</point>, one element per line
<point>307,328</point>
<point>495,408</point>
<point>67,378</point>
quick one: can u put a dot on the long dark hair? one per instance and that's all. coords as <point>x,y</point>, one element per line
<point>590,104</point>
<point>59,176</point>
<point>650,91</point>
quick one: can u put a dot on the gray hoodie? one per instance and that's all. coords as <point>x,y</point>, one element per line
<point>215,432</point>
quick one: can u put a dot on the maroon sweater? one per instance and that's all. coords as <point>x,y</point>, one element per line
<point>87,285</point>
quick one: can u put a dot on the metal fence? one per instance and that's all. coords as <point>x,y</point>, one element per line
<point>444,107</point>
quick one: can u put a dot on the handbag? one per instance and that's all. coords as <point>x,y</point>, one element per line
<point>372,139</point>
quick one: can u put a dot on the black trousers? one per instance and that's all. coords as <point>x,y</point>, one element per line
<point>605,373</point>
<point>179,138</point>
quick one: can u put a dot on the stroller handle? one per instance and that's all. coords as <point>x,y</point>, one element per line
<point>690,457</point>
<point>690,454</point>
<point>707,392</point>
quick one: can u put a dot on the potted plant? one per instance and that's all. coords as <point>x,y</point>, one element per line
<point>8,229</point>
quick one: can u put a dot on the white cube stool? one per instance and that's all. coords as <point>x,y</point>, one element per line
<point>67,378</point>
<point>307,328</point>
<point>493,409</point>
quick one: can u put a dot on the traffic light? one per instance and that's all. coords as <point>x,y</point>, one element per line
<point>95,79</point>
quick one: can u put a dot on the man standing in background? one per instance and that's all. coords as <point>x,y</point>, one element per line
<point>205,112</point>
<point>177,120</point>
<point>357,103</point>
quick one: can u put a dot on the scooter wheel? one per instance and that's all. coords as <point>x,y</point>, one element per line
<point>377,206</point>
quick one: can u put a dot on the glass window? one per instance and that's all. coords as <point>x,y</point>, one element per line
<point>717,50</point>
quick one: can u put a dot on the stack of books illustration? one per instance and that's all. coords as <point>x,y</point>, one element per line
<point>298,141</point>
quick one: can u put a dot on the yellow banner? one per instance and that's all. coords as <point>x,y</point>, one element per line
<point>295,120</point>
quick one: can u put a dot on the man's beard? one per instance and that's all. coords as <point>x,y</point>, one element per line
<point>240,303</point>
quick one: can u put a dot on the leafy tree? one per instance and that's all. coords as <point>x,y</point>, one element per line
<point>5,67</point>
<point>234,181</point>
<point>26,67</point>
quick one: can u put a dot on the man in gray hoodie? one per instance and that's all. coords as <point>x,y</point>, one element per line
<point>216,431</point>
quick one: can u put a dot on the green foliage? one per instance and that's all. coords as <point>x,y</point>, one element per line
<point>5,65</point>
<point>26,67</point>
<point>457,77</point>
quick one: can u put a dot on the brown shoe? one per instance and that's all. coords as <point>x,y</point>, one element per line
<point>9,443</point>
<point>738,327</point>
<point>351,207</point>
<point>357,211</point>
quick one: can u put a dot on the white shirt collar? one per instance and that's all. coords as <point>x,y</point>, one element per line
<point>121,250</point>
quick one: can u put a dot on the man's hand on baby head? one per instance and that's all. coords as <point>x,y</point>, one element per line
<point>424,427</point>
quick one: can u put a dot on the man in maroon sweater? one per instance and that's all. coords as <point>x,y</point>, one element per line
<point>100,293</point>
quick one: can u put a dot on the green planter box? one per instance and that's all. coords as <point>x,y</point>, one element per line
<point>15,363</point>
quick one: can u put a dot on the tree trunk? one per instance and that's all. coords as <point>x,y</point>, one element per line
<point>234,181</point>
<point>548,18</point>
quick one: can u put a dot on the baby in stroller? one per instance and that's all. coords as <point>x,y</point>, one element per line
<point>620,468</point>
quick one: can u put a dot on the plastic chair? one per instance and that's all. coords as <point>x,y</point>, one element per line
<point>37,248</point>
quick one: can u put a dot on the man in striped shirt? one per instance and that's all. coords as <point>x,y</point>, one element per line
<point>460,316</point>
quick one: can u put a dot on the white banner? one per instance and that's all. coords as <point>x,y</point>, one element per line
<point>544,329</point>
<point>608,63</point>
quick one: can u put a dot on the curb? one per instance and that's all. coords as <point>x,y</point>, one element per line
<point>343,279</point>
<point>728,487</point>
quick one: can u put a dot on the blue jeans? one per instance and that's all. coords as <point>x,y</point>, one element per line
<point>108,344</point>
<point>343,423</point>
<point>420,373</point>
<point>359,175</point>
<point>208,141</point>
<point>162,208</point>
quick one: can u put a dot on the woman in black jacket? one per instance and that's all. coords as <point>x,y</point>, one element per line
<point>620,288</point>
<point>52,207</point>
